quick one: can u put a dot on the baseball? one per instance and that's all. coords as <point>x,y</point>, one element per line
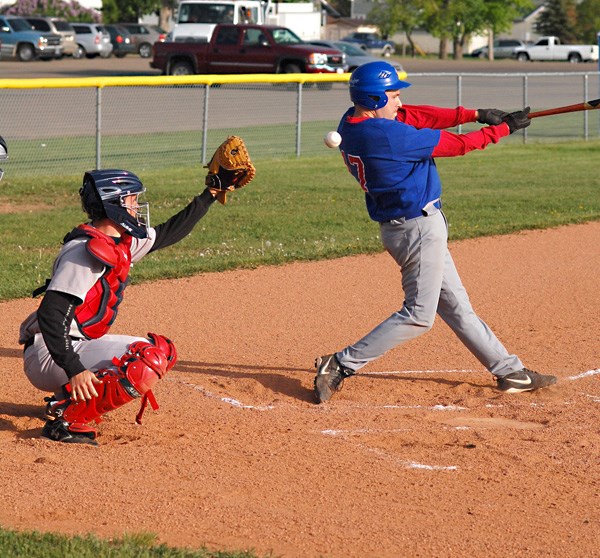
<point>332,139</point>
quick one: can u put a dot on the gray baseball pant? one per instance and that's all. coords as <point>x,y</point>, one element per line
<point>95,354</point>
<point>431,284</point>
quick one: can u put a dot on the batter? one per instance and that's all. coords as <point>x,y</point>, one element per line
<point>390,148</point>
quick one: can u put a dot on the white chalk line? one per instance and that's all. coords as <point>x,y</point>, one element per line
<point>584,374</point>
<point>407,372</point>
<point>341,432</point>
<point>407,464</point>
<point>236,403</point>
<point>428,407</point>
<point>228,400</point>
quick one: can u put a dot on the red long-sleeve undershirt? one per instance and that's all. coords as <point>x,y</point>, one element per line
<point>450,144</point>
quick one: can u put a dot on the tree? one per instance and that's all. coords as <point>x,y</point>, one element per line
<point>499,16</point>
<point>454,20</point>
<point>71,11</point>
<point>559,19</point>
<point>344,7</point>
<point>588,21</point>
<point>114,11</point>
<point>458,20</point>
<point>393,15</point>
<point>165,12</point>
<point>438,22</point>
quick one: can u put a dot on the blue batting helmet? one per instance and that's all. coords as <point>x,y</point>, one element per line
<point>369,82</point>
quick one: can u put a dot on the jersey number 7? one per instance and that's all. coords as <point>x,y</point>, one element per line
<point>357,169</point>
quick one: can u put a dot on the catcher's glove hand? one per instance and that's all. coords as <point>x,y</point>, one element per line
<point>230,168</point>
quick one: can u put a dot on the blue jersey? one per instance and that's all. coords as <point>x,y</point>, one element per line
<point>393,164</point>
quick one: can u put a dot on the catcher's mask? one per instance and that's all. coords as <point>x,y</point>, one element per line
<point>3,154</point>
<point>104,194</point>
<point>369,82</point>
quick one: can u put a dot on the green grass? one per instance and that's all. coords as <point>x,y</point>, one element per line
<point>296,209</point>
<point>47,545</point>
<point>56,155</point>
<point>302,209</point>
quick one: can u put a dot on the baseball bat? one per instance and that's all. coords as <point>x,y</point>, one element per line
<point>589,105</point>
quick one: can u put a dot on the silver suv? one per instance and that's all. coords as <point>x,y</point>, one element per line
<point>144,36</point>
<point>92,40</point>
<point>503,48</point>
<point>58,26</point>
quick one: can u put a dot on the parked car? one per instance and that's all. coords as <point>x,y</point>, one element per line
<point>58,26</point>
<point>503,48</point>
<point>355,56</point>
<point>92,40</point>
<point>144,36</point>
<point>371,42</point>
<point>247,49</point>
<point>551,49</point>
<point>121,40</point>
<point>21,41</point>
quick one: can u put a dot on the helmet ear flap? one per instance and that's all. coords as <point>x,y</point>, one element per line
<point>90,199</point>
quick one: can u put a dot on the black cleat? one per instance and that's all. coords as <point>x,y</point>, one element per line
<point>330,377</point>
<point>524,380</point>
<point>57,430</point>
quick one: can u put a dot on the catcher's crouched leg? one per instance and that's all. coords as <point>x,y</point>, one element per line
<point>134,376</point>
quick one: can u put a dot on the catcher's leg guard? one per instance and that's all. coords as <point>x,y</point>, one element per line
<point>136,372</point>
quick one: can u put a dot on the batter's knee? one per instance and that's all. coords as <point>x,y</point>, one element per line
<point>421,318</point>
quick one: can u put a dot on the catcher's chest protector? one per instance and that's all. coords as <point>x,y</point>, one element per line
<point>136,372</point>
<point>99,309</point>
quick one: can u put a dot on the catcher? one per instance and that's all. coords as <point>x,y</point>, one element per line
<point>3,154</point>
<point>68,350</point>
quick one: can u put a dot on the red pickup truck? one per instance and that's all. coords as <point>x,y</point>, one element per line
<point>246,49</point>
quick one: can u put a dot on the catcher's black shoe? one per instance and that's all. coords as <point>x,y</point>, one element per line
<point>330,377</point>
<point>57,430</point>
<point>524,380</point>
<point>51,403</point>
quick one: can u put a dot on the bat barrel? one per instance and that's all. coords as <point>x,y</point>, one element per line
<point>589,105</point>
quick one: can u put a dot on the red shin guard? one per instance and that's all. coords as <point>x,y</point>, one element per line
<point>134,375</point>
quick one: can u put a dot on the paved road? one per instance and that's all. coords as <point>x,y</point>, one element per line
<point>136,66</point>
<point>68,67</point>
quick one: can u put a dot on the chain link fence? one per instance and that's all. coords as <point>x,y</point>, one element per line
<point>66,126</point>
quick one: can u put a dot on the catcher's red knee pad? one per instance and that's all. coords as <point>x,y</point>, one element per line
<point>158,352</point>
<point>138,370</point>
<point>166,346</point>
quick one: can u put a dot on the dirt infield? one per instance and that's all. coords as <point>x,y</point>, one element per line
<point>418,456</point>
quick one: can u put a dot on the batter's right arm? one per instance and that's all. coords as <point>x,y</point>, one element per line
<point>437,118</point>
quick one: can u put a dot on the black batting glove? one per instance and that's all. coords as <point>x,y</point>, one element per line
<point>518,120</point>
<point>491,116</point>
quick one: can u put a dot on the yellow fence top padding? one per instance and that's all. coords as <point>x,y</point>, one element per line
<point>46,83</point>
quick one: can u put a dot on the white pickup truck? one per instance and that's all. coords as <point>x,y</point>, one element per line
<point>550,48</point>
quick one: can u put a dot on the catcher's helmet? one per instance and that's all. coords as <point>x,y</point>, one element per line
<point>3,154</point>
<point>369,82</point>
<point>103,195</point>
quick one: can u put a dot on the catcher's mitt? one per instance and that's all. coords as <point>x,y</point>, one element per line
<point>230,168</point>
